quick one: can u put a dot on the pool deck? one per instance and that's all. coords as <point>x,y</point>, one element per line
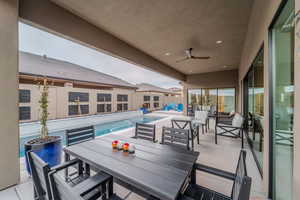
<point>223,156</point>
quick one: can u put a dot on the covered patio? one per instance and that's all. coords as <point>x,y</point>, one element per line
<point>230,57</point>
<point>222,156</point>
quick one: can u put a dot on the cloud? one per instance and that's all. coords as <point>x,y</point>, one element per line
<point>40,42</point>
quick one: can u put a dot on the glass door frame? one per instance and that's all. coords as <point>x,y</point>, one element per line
<point>246,110</point>
<point>271,98</point>
<point>211,88</point>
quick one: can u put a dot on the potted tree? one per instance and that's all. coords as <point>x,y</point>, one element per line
<point>48,148</point>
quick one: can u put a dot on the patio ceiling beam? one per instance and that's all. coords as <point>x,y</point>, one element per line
<point>49,16</point>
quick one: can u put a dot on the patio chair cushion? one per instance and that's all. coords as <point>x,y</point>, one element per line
<point>201,117</point>
<point>237,120</point>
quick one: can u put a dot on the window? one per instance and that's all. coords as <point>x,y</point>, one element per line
<point>24,96</point>
<point>84,109</point>
<point>122,107</point>
<point>100,108</point>
<point>74,109</point>
<point>125,106</point>
<point>103,97</point>
<point>156,98</point>
<point>24,113</point>
<point>122,97</point>
<point>81,96</point>
<point>146,98</point>
<point>119,107</point>
<point>156,105</point>
<point>103,108</point>
<point>146,105</point>
<point>108,107</point>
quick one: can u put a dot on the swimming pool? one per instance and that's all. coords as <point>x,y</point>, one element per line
<point>100,129</point>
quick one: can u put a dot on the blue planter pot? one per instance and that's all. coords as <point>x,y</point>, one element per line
<point>49,151</point>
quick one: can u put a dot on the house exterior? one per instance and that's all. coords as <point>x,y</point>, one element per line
<point>73,90</point>
<point>154,98</point>
<point>77,91</point>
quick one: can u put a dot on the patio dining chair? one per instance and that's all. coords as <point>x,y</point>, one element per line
<point>91,187</point>
<point>145,131</point>
<point>75,136</point>
<point>201,118</point>
<point>233,129</point>
<point>188,125</point>
<point>241,183</point>
<point>176,137</point>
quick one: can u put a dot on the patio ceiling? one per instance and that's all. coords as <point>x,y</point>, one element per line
<point>169,27</point>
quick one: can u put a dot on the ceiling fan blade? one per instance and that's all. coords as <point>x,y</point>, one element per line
<point>200,57</point>
<point>178,61</point>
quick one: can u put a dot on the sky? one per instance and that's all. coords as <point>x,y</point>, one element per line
<point>39,42</point>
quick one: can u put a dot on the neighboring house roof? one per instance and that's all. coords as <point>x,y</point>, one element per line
<point>175,89</point>
<point>30,64</point>
<point>145,87</point>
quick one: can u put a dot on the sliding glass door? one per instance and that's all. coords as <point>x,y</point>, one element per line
<point>226,100</point>
<point>254,108</point>
<point>212,100</point>
<point>282,46</point>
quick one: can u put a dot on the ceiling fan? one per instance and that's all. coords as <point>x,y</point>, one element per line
<point>189,55</point>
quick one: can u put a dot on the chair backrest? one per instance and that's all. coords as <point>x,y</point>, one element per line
<point>242,183</point>
<point>181,124</point>
<point>62,190</point>
<point>39,170</point>
<point>78,135</point>
<point>145,131</point>
<point>238,120</point>
<point>201,116</point>
<point>176,137</point>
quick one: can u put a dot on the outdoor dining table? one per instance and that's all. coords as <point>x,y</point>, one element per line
<point>156,170</point>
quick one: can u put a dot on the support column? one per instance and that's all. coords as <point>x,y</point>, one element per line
<point>9,129</point>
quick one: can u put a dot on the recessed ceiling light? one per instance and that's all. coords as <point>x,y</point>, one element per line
<point>168,53</point>
<point>219,42</point>
<point>225,66</point>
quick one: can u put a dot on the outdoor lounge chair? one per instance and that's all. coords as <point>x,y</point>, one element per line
<point>241,183</point>
<point>233,129</point>
<point>201,118</point>
<point>176,137</point>
<point>75,136</point>
<point>91,187</point>
<point>145,131</point>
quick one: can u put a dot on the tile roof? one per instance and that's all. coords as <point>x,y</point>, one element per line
<point>31,64</point>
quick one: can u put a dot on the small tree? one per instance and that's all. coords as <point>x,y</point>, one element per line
<point>44,109</point>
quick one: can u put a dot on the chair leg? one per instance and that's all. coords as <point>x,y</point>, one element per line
<point>206,128</point>
<point>67,158</point>
<point>202,128</point>
<point>87,169</point>
<point>110,187</point>
<point>193,176</point>
<point>208,122</point>
<point>216,135</point>
<point>198,141</point>
<point>104,192</point>
<point>242,139</point>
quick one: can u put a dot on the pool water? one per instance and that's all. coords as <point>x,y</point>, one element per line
<point>100,129</point>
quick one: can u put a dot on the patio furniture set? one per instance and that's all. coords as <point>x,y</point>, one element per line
<point>165,170</point>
